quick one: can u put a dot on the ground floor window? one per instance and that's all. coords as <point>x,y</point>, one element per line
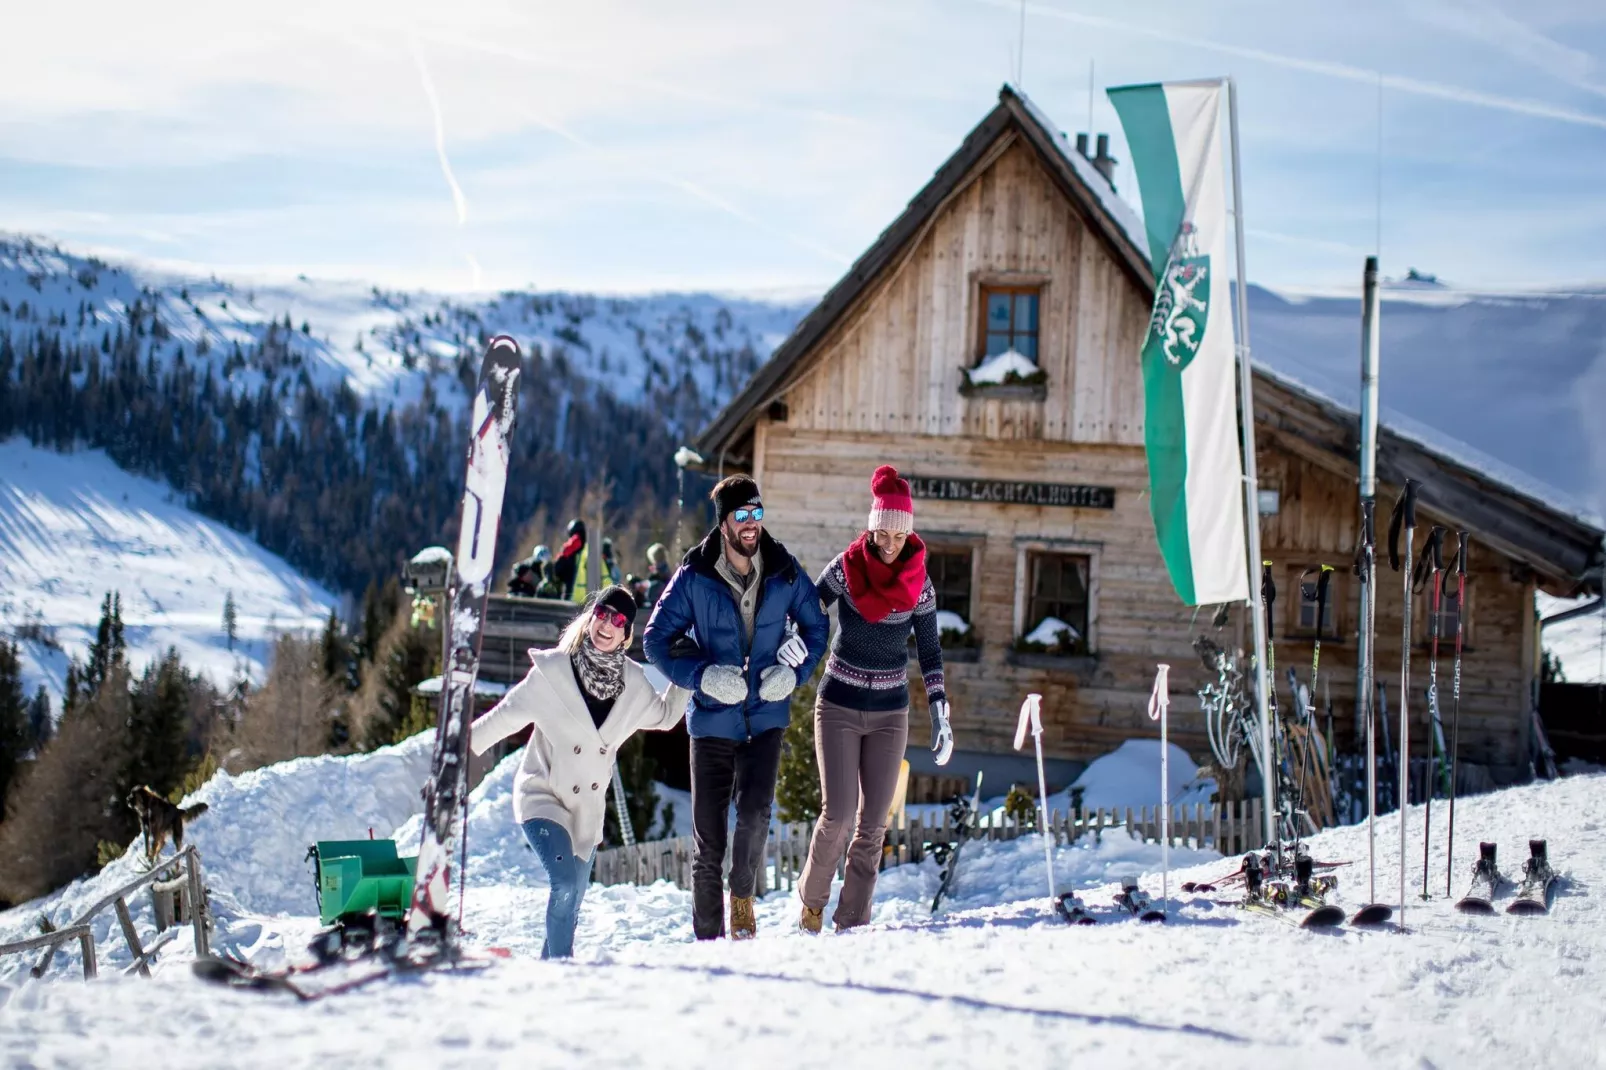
<point>951,568</point>
<point>1056,602</point>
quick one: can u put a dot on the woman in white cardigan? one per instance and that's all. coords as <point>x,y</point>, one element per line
<point>584,698</point>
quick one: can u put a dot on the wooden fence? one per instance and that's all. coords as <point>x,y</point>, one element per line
<point>1230,828</point>
<point>187,886</point>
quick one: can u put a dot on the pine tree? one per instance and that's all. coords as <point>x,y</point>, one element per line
<point>797,787</point>
<point>231,619</point>
<point>15,737</point>
<point>159,725</point>
<point>108,648</point>
<point>39,727</point>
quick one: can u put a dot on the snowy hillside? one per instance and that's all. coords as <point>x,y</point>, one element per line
<point>386,345</point>
<point>75,526</point>
<point>996,979</point>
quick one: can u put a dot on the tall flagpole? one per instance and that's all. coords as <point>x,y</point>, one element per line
<point>1257,607</point>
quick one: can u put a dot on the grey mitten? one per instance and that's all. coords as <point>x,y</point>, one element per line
<point>724,684</point>
<point>776,682</point>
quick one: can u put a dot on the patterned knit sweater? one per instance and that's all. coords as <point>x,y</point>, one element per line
<point>868,668</point>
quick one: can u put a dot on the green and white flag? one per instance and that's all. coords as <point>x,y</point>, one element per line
<point>1189,381</point>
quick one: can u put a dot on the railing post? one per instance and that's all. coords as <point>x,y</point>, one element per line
<point>86,943</point>
<point>131,937</point>
<point>197,892</point>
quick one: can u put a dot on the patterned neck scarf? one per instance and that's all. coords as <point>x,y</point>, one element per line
<point>601,675</point>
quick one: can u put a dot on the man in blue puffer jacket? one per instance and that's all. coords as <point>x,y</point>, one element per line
<point>736,596</point>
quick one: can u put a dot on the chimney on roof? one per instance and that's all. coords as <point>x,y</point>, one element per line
<point>1101,159</point>
<point>1104,161</point>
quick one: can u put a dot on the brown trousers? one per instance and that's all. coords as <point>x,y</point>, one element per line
<point>859,755</point>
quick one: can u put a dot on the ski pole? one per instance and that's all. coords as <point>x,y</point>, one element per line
<point>1404,512</point>
<point>1159,704</point>
<point>1431,565</point>
<point>1368,705</point>
<point>1455,693</point>
<point>1031,719</point>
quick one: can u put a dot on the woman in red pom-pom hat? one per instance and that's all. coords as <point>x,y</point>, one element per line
<point>861,715</point>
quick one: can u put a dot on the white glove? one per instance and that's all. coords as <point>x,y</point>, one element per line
<point>724,684</point>
<point>942,735</point>
<point>776,682</point>
<point>793,652</point>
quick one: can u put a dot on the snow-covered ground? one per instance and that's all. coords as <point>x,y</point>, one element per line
<point>75,526</point>
<point>995,980</point>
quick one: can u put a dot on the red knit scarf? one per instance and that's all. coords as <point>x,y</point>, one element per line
<point>879,589</point>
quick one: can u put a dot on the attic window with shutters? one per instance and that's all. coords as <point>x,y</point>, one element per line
<point>1007,343</point>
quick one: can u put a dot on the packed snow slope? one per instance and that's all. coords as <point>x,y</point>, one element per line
<point>75,526</point>
<point>995,980</point>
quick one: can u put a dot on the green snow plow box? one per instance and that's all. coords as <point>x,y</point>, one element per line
<point>359,876</point>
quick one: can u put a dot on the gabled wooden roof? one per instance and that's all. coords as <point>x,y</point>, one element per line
<point>1105,214</point>
<point>1564,549</point>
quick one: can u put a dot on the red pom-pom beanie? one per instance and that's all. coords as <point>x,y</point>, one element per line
<point>892,508</point>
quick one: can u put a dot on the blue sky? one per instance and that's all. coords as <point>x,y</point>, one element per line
<point>628,145</point>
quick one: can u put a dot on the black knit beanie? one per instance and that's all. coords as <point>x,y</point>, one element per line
<point>733,493</point>
<point>616,597</point>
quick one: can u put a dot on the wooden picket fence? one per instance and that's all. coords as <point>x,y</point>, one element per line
<point>1230,828</point>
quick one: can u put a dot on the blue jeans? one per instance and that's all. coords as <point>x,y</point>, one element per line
<point>568,874</point>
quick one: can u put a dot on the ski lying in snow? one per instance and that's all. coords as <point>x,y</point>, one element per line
<point>1486,882</point>
<point>1073,910</point>
<point>306,985</point>
<point>1538,879</point>
<point>1372,915</point>
<point>315,981</point>
<point>429,919</point>
<point>962,812</point>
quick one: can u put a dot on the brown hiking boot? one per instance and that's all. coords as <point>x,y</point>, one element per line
<point>743,925</point>
<point>812,920</point>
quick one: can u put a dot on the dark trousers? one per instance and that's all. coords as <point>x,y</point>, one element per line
<point>723,770</point>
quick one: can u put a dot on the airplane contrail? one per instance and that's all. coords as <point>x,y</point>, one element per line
<point>1348,72</point>
<point>440,130</point>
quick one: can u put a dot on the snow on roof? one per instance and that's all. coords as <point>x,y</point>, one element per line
<point>1125,216</point>
<point>431,555</point>
<point>1448,448</point>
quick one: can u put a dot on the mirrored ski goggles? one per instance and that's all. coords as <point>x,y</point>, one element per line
<point>744,514</point>
<point>609,615</point>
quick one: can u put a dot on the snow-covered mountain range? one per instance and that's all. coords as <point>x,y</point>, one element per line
<point>75,526</point>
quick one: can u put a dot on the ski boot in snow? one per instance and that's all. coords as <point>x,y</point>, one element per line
<point>812,920</point>
<point>744,926</point>
<point>1533,897</point>
<point>1486,882</point>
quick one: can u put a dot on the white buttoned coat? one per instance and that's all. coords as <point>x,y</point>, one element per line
<point>567,767</point>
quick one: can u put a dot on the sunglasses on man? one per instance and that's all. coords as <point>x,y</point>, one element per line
<point>743,515</point>
<point>611,616</point>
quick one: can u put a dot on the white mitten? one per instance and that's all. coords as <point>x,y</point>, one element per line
<point>793,652</point>
<point>724,684</point>
<point>776,682</point>
<point>942,734</point>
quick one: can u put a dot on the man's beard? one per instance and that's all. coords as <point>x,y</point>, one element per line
<point>735,543</point>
